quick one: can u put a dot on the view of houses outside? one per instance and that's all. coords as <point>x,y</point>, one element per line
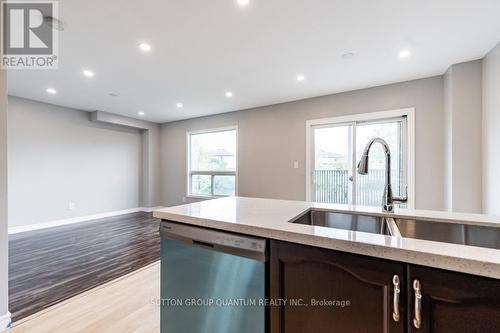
<point>213,163</point>
<point>332,164</point>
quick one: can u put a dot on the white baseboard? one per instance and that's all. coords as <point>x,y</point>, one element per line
<point>5,321</point>
<point>150,209</point>
<point>72,220</point>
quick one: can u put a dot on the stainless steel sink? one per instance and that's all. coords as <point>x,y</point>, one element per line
<point>488,237</point>
<point>364,223</point>
<point>450,233</point>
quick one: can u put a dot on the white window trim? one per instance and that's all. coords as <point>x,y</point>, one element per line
<point>370,116</point>
<point>188,162</point>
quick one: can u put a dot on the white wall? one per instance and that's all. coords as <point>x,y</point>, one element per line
<point>57,155</point>
<point>4,315</point>
<point>491,132</point>
<point>271,138</point>
<point>150,168</point>
<point>463,137</point>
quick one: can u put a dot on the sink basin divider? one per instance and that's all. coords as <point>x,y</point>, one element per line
<point>392,227</point>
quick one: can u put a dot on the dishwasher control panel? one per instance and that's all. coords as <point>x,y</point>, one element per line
<point>211,238</point>
<point>241,242</point>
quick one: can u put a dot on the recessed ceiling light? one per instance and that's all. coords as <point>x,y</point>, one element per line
<point>300,78</point>
<point>145,47</point>
<point>404,54</point>
<point>348,55</point>
<point>179,105</point>
<point>229,94</point>
<point>88,73</point>
<point>243,3</point>
<point>51,91</point>
<point>140,113</point>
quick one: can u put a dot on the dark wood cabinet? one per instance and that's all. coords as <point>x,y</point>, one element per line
<point>329,291</point>
<point>453,302</point>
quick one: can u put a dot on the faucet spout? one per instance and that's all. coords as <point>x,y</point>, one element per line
<point>388,199</point>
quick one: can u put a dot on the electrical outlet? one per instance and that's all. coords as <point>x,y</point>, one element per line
<point>71,205</point>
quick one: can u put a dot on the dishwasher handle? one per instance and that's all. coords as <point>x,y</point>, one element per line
<point>220,241</point>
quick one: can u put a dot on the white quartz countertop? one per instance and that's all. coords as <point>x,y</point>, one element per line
<point>269,218</point>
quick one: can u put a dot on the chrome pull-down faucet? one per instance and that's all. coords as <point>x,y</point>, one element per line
<point>388,199</point>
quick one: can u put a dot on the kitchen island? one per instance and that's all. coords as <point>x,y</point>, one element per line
<point>270,218</point>
<point>392,283</point>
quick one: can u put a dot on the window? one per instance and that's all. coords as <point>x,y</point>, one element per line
<point>212,163</point>
<point>335,147</point>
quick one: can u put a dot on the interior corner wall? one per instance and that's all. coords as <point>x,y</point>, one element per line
<point>463,137</point>
<point>448,135</point>
<point>271,138</point>
<point>491,132</point>
<point>150,182</point>
<point>57,156</point>
<point>4,316</point>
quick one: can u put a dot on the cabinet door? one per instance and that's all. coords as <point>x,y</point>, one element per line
<point>330,291</point>
<point>453,302</point>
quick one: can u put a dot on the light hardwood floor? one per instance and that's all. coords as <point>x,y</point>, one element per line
<point>124,305</point>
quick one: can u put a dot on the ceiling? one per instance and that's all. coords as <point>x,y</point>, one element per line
<point>201,49</point>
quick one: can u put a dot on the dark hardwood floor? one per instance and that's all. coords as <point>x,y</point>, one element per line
<point>50,265</point>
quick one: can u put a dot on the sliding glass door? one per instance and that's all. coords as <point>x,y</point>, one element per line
<point>336,150</point>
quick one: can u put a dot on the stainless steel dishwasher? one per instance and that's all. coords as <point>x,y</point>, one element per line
<point>211,281</point>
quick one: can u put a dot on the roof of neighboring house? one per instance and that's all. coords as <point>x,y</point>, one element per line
<point>329,154</point>
<point>222,152</point>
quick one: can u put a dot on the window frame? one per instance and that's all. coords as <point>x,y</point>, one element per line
<point>370,117</point>
<point>190,172</point>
